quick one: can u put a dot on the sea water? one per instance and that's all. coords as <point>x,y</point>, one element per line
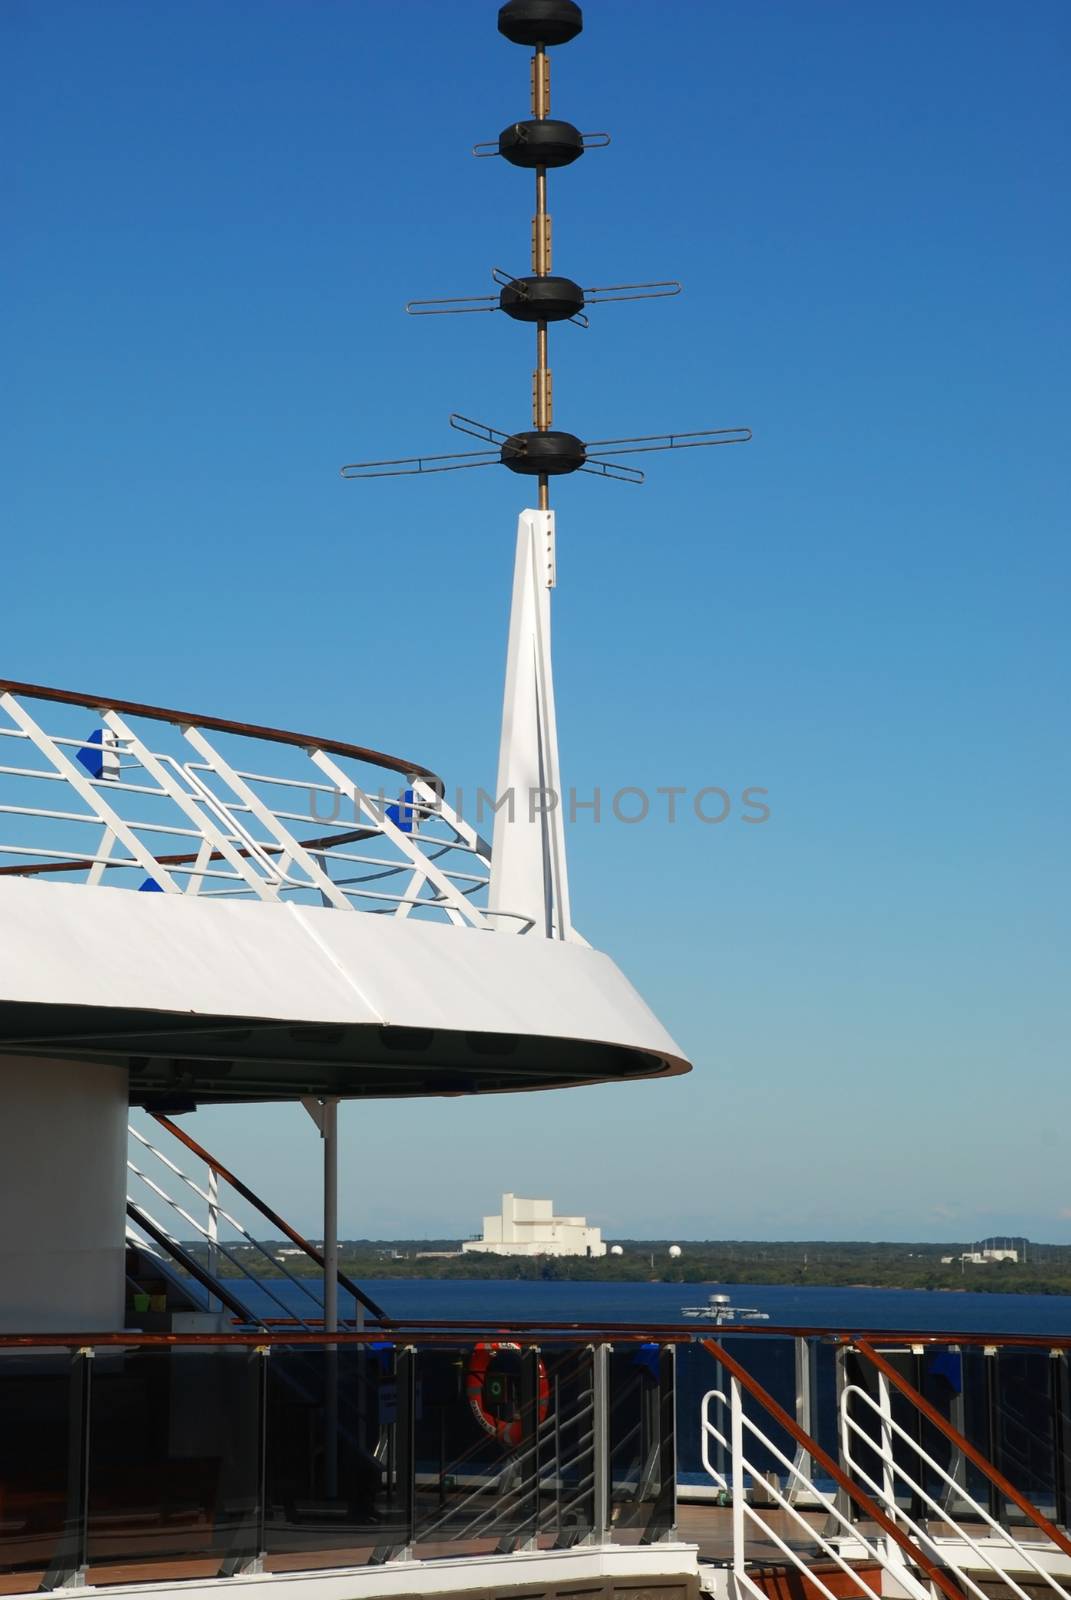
<point>770,1360</point>
<point>787,1305</point>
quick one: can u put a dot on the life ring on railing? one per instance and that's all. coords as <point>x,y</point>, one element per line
<point>507,1432</point>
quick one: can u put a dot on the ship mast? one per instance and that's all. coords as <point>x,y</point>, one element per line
<point>528,886</point>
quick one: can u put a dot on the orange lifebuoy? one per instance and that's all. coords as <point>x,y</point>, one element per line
<point>506,1432</point>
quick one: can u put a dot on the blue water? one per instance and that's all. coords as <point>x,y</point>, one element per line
<point>771,1361</point>
<point>788,1305</point>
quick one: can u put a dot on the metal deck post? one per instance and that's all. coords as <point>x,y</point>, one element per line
<point>600,1441</point>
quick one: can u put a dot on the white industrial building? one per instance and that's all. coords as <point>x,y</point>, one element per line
<point>530,1228</point>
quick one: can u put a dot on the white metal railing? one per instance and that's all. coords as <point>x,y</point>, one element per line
<point>934,1528</point>
<point>937,1530</point>
<point>746,1515</point>
<point>307,1299</point>
<point>155,1179</point>
<point>95,797</point>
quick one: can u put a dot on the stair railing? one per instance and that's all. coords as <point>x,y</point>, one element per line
<point>211,1237</point>
<point>1003,1485</point>
<point>362,1300</point>
<point>744,1512</point>
<point>160,1236</point>
<point>946,1542</point>
<point>894,1474</point>
<point>901,1569</point>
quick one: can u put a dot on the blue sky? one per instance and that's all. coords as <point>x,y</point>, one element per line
<point>218,211</point>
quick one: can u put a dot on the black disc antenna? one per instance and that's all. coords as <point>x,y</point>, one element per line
<point>540,298</point>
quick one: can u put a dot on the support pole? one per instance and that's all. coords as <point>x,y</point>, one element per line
<point>324,1112</point>
<point>330,1138</point>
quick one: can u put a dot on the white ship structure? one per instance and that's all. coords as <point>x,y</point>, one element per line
<point>197,911</point>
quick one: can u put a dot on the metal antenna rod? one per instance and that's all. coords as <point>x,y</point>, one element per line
<point>541,383</point>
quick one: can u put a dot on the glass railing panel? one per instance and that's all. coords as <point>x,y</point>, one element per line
<point>772,1363</point>
<point>922,1453</point>
<point>1027,1428</point>
<point>1061,1379</point>
<point>567,1447</point>
<point>642,1433</point>
<point>481,1432</point>
<point>174,1469</point>
<point>42,1504</point>
<point>336,1471</point>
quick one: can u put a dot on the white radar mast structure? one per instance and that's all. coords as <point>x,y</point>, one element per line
<point>529,881</point>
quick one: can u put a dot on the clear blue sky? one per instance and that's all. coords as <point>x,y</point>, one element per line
<point>219,208</point>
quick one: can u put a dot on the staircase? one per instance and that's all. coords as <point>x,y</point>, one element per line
<point>907,1506</point>
<point>212,1278</point>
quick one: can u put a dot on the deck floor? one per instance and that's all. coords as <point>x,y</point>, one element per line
<point>705,1525</point>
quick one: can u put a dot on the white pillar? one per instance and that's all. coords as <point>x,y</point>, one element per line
<point>62,1196</point>
<point>529,882</point>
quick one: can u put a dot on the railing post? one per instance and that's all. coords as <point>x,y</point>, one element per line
<point>804,1415</point>
<point>557,1414</point>
<point>263,1354</point>
<point>844,1502</point>
<point>601,1473</point>
<point>67,1569</point>
<point>888,1477</point>
<point>1060,1399</point>
<point>528,1507</point>
<point>991,1356</point>
<point>893,1555</point>
<point>957,1415</point>
<point>737,1445</point>
<point>248,1551</point>
<point>667,1441</point>
<point>406,1446</point>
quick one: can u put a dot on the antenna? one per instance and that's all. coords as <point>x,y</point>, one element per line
<point>541,144</point>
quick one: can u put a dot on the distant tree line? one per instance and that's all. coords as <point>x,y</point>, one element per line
<point>853,1264</point>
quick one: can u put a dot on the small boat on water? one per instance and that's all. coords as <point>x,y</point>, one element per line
<point>719,1310</point>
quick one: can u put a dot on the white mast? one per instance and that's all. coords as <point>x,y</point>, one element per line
<point>529,887</point>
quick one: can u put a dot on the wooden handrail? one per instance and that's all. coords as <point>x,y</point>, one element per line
<point>443,1331</point>
<point>869,1507</point>
<point>184,858</point>
<point>396,1333</point>
<point>685,1333</point>
<point>951,1433</point>
<point>248,730</point>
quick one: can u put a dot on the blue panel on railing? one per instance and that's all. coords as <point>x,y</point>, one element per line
<point>402,815</point>
<point>948,1364</point>
<point>648,1357</point>
<point>91,754</point>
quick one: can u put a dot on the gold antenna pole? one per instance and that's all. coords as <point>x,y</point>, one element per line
<point>541,379</point>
